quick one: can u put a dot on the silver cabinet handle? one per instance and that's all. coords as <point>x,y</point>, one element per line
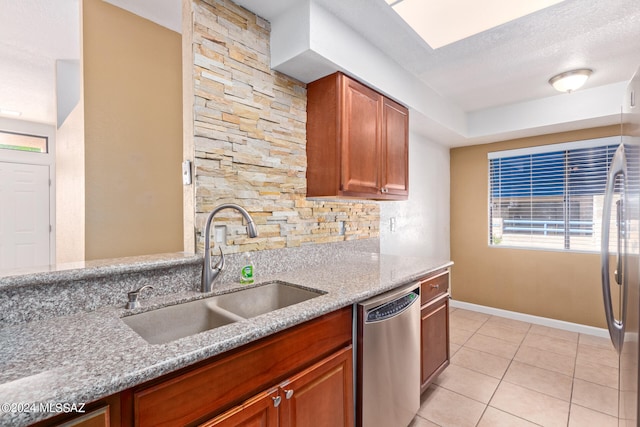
<point>434,286</point>
<point>288,394</point>
<point>276,401</point>
<point>616,328</point>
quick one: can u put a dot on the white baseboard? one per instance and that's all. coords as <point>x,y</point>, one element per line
<point>544,321</point>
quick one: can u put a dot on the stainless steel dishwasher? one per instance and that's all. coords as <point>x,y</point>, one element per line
<point>388,358</point>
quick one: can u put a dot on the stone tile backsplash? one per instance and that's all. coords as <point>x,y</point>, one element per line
<point>250,140</point>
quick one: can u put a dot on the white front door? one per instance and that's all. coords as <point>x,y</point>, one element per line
<point>24,215</point>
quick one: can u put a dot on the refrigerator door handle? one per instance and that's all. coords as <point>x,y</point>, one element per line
<point>618,274</point>
<point>618,168</point>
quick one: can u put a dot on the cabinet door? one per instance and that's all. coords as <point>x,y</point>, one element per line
<point>259,411</point>
<point>395,146</point>
<point>434,339</point>
<point>320,396</point>
<point>361,139</point>
<point>97,418</point>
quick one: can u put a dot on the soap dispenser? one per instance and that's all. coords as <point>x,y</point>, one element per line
<point>247,271</point>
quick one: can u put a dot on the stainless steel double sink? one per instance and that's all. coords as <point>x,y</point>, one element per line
<point>170,323</point>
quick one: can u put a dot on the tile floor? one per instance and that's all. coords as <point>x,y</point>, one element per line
<point>509,373</point>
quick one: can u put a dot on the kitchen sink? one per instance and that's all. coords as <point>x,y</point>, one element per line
<point>170,323</point>
<point>263,299</point>
<point>177,321</point>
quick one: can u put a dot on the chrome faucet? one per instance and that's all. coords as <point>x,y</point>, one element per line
<point>209,273</point>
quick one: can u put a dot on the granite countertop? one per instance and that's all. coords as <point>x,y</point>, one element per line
<point>87,356</point>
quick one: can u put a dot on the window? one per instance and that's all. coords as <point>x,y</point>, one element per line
<point>550,197</point>
<point>20,142</point>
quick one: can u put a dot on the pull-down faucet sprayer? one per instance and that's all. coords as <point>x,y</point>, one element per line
<point>210,273</point>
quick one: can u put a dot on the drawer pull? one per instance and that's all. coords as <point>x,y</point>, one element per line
<point>288,394</point>
<point>434,286</point>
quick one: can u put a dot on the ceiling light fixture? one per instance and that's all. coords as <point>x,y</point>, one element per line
<point>570,80</point>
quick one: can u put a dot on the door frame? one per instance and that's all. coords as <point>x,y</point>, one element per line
<point>42,159</point>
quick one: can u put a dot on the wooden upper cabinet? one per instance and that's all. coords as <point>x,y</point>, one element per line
<point>395,143</point>
<point>357,141</point>
<point>361,138</point>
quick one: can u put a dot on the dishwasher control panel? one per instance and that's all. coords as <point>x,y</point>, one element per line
<point>392,308</point>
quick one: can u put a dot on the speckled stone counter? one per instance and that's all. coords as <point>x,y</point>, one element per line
<point>88,355</point>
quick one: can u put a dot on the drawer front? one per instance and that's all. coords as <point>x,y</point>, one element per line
<point>434,286</point>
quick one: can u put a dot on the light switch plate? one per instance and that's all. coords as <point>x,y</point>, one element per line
<point>186,172</point>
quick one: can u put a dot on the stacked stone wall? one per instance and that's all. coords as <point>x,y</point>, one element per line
<point>250,136</point>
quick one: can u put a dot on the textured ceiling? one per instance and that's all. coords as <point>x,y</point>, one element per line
<point>505,65</point>
<point>509,63</point>
<point>33,34</point>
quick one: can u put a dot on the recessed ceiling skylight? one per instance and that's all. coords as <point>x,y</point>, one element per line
<point>442,22</point>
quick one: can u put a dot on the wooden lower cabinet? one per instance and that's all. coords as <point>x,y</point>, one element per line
<point>434,328</point>
<point>320,396</point>
<point>312,361</point>
<point>102,413</point>
<point>96,418</point>
<point>259,411</point>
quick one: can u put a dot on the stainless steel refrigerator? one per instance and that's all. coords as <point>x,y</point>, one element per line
<point>621,276</point>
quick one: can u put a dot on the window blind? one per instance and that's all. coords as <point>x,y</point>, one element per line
<point>550,197</point>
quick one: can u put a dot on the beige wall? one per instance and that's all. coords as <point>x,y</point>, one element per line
<point>133,134</point>
<point>558,285</point>
<point>70,199</point>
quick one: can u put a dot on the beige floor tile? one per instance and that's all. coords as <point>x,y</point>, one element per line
<point>504,333</point>
<point>600,355</point>
<point>595,397</point>
<point>492,345</point>
<point>418,421</point>
<point>526,373</point>
<point>581,417</point>
<point>461,322</point>
<point>594,341</point>
<point>509,323</point>
<point>493,417</point>
<point>551,343</point>
<point>541,380</point>
<point>485,363</point>
<point>553,332</point>
<point>453,349</point>
<point>446,408</point>
<point>597,373</point>
<point>546,360</point>
<point>468,383</point>
<point>476,315</point>
<point>531,405</point>
<point>459,336</point>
